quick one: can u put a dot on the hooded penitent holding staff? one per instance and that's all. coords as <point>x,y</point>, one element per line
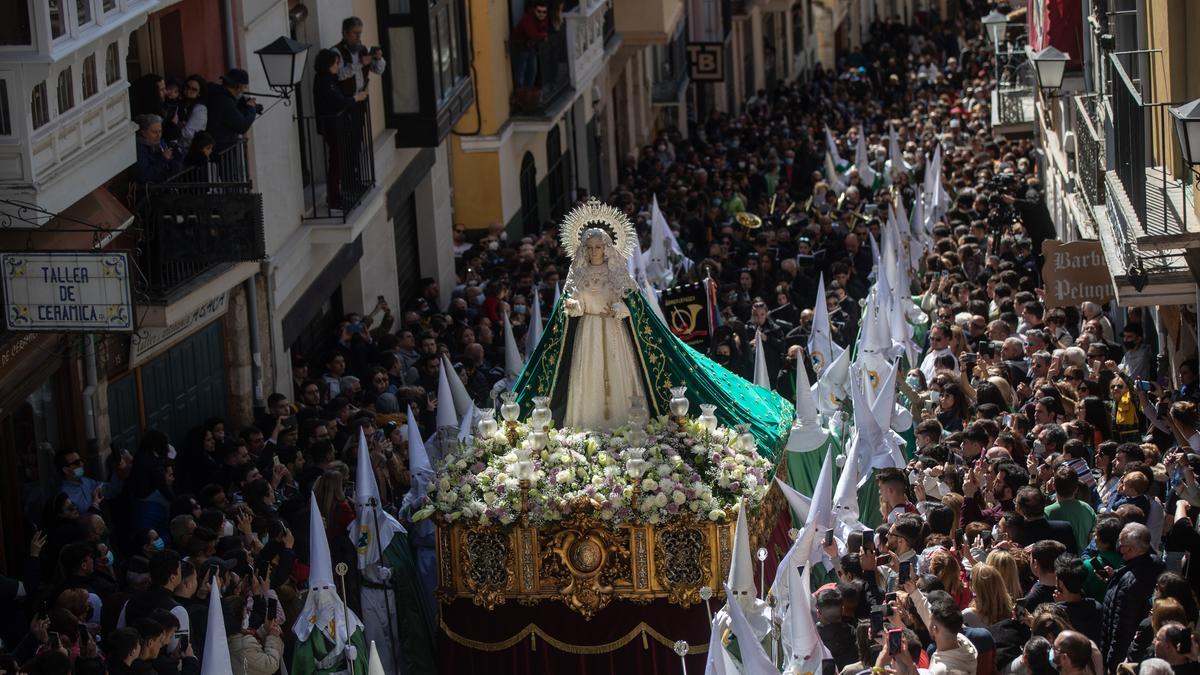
<point>604,343</point>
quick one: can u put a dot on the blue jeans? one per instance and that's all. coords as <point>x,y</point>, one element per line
<point>526,68</point>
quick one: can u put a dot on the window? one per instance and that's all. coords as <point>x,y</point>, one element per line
<point>112,64</point>
<point>15,28</point>
<point>108,5</point>
<point>425,44</point>
<point>530,218</point>
<point>58,19</point>
<point>83,12</point>
<point>39,106</point>
<point>66,91</point>
<point>5,116</point>
<point>90,86</point>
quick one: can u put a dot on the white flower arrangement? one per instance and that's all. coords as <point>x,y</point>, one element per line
<point>676,473</point>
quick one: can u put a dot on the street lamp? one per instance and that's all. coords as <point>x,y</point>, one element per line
<point>1051,63</point>
<point>283,63</point>
<point>1187,130</point>
<point>994,26</point>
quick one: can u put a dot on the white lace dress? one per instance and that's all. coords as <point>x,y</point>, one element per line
<point>605,370</point>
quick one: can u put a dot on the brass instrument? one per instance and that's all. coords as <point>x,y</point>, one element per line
<point>749,220</point>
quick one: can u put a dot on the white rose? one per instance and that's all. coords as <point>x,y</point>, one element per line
<point>660,500</point>
<point>649,485</point>
<point>563,477</point>
<point>678,497</point>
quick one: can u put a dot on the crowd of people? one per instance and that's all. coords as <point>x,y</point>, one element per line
<point>1043,524</point>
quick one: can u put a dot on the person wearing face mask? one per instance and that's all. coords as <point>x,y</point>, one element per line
<point>85,492</point>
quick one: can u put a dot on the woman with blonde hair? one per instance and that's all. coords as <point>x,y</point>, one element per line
<point>1006,565</point>
<point>992,602</point>
<point>944,566</point>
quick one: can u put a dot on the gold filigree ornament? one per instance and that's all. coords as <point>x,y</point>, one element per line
<point>488,566</point>
<point>594,213</point>
<point>585,548</point>
<point>682,561</point>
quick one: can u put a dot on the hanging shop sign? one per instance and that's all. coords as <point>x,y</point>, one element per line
<point>67,291</point>
<point>1075,272</point>
<point>706,61</point>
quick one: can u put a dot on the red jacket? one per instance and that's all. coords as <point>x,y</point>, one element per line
<point>530,31</point>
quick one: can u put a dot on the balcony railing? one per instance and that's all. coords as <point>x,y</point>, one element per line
<point>1089,149</point>
<point>199,219</point>
<point>338,162</point>
<point>553,75</point>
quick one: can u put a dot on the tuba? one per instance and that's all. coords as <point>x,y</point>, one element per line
<point>748,220</point>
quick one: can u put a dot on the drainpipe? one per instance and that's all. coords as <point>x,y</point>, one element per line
<point>89,394</point>
<point>231,59</point>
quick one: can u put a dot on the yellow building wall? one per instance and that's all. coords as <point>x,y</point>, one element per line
<point>1172,26</point>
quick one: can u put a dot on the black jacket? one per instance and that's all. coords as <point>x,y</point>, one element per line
<point>328,101</point>
<point>1041,529</point>
<point>1085,617</point>
<point>228,117</point>
<point>1126,601</point>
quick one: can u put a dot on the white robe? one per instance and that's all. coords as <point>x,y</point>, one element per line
<point>604,368</point>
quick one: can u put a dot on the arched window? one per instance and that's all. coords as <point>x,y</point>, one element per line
<point>530,218</point>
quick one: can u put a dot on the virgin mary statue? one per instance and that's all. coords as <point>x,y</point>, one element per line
<point>604,345</point>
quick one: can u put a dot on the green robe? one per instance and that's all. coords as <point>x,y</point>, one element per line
<point>310,652</point>
<point>416,637</point>
<point>665,361</point>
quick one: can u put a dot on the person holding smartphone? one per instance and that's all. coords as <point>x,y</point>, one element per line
<point>259,652</point>
<point>944,621</point>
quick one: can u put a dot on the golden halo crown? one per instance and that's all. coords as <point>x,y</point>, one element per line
<point>593,213</point>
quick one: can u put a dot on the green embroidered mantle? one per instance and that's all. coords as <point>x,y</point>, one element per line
<point>666,361</point>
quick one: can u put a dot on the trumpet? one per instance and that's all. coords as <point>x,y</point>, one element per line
<point>749,220</point>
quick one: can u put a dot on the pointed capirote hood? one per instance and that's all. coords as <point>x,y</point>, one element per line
<point>534,334</point>
<point>804,649</point>
<point>741,568</point>
<point>467,424</point>
<point>320,565</point>
<point>833,386</point>
<point>462,400</point>
<point>513,365</point>
<point>216,642</point>
<point>821,347</point>
<point>797,500</point>
<point>807,432</point>
<point>374,665</point>
<point>418,457</point>
<point>754,658</point>
<point>762,377</point>
<point>446,414</point>
<point>373,528</point>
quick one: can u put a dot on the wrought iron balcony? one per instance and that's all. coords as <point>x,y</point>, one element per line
<point>198,220</point>
<point>338,162</point>
<point>1089,152</point>
<point>551,80</point>
<point>1145,149</point>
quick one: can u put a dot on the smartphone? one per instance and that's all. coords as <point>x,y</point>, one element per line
<point>1145,385</point>
<point>905,571</point>
<point>883,558</point>
<point>890,597</point>
<point>868,542</point>
<point>272,609</point>
<point>381,299</point>
<point>828,537</point>
<point>877,620</point>
<point>894,637</point>
<point>183,641</point>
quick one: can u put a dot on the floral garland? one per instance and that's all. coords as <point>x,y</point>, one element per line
<point>686,472</point>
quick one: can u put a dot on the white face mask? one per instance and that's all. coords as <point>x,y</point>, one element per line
<point>226,529</point>
<point>171,452</point>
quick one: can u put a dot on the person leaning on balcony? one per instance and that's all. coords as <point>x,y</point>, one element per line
<point>533,29</point>
<point>358,62</point>
<point>155,161</point>
<point>230,114</point>
<point>193,113</point>
<point>330,100</point>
